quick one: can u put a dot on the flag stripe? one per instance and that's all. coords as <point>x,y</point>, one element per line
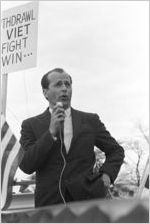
<point>4,129</point>
<point>8,149</point>
<point>5,141</point>
<point>10,169</point>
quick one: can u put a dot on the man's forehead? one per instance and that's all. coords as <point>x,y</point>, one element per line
<point>55,76</point>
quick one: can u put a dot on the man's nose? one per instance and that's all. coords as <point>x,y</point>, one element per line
<point>64,87</point>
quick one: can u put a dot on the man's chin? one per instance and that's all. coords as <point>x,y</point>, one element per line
<point>65,104</point>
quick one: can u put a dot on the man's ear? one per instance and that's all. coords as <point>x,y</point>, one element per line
<point>45,93</point>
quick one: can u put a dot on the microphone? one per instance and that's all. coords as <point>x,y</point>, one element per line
<point>62,122</point>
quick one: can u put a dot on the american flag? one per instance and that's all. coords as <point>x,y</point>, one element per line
<point>11,155</point>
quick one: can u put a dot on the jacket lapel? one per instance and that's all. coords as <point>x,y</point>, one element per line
<point>76,124</point>
<point>44,120</point>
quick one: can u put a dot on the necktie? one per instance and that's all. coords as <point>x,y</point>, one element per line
<point>67,132</point>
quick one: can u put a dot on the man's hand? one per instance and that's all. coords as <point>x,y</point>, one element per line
<point>57,117</point>
<point>106,179</point>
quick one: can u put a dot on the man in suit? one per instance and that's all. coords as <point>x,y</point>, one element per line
<point>59,146</point>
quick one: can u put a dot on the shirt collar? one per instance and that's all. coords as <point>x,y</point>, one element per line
<point>68,112</point>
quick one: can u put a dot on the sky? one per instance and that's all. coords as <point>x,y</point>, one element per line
<point>104,46</point>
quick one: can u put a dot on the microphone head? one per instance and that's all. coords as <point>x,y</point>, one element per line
<point>59,104</point>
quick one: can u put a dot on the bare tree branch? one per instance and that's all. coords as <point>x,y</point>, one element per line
<point>143,133</point>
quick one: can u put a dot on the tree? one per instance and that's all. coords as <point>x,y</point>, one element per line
<point>133,160</point>
<point>136,153</point>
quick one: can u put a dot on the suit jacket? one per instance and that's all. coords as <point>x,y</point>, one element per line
<point>42,155</point>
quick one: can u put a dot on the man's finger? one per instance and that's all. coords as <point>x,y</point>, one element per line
<point>57,109</point>
<point>60,115</point>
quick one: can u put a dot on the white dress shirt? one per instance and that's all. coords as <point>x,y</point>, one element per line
<point>68,130</point>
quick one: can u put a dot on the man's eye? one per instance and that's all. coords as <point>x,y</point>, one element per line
<point>58,84</point>
<point>67,84</point>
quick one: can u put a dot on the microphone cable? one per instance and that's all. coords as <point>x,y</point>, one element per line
<point>61,174</point>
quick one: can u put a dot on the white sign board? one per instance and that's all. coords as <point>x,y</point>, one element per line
<point>19,28</point>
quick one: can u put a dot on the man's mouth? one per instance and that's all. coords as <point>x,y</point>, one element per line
<point>64,97</point>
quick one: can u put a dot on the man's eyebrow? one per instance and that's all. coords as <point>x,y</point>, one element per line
<point>57,82</point>
<point>60,80</point>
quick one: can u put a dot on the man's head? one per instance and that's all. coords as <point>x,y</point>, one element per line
<point>57,87</point>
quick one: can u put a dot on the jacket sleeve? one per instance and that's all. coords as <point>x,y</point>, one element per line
<point>113,151</point>
<point>35,151</point>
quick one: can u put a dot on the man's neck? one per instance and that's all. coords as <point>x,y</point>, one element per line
<point>51,106</point>
<point>67,110</point>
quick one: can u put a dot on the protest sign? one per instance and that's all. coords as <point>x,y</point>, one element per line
<point>19,28</point>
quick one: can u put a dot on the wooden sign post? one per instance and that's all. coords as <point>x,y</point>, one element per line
<point>4,93</point>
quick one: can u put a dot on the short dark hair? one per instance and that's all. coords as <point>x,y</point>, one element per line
<point>45,81</point>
